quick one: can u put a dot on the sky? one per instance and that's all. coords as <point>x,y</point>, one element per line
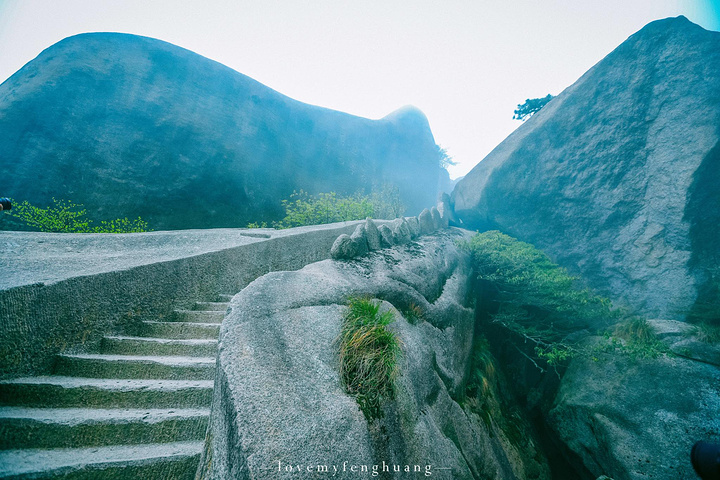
<point>465,63</point>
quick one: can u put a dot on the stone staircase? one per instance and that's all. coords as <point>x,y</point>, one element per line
<point>138,408</point>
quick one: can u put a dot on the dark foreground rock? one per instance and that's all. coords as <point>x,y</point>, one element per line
<point>278,401</point>
<point>618,177</point>
<point>132,126</point>
<point>634,419</point>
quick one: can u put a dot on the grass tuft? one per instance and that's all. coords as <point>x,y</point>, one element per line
<point>414,313</point>
<point>707,332</point>
<point>369,355</point>
<point>639,339</point>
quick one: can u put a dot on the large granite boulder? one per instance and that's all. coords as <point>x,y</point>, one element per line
<point>132,126</point>
<point>279,404</point>
<point>618,177</point>
<point>634,419</point>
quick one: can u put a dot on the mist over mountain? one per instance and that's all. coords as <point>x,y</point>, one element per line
<point>133,126</point>
<point>617,177</point>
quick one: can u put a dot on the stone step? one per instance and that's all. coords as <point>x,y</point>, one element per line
<point>22,427</point>
<point>135,366</point>
<point>186,330</point>
<point>211,306</point>
<point>176,461</point>
<point>57,391</point>
<point>158,346</point>
<point>198,316</point>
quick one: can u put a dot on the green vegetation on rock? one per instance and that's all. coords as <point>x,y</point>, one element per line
<point>634,337</point>
<point>369,355</point>
<point>303,209</point>
<point>534,297</point>
<point>531,107</point>
<point>708,332</point>
<point>67,217</point>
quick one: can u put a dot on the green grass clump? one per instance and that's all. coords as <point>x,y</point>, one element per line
<point>634,337</point>
<point>707,332</point>
<point>636,330</point>
<point>369,355</point>
<point>414,313</point>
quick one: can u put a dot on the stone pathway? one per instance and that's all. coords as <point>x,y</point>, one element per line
<point>138,408</point>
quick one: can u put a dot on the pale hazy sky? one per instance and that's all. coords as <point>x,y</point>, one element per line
<point>465,63</point>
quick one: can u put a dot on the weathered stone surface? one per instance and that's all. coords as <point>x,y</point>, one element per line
<point>426,222</point>
<point>445,208</point>
<point>436,218</point>
<point>359,238</point>
<point>401,231</point>
<point>414,226</point>
<point>133,126</point>
<point>618,177</point>
<point>343,248</point>
<point>386,236</point>
<point>278,395</point>
<point>372,234</point>
<point>637,419</point>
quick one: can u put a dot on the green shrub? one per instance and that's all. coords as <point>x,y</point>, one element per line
<point>304,209</point>
<point>257,225</point>
<point>369,355</point>
<point>68,217</point>
<point>535,298</point>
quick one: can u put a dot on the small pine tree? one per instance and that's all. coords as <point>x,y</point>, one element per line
<point>531,107</point>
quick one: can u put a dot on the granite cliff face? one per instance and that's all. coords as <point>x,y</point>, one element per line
<point>616,178</point>
<point>129,126</point>
<point>279,405</point>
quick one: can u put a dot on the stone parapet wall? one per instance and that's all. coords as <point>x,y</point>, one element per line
<point>62,292</point>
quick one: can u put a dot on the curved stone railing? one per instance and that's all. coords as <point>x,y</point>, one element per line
<point>368,236</point>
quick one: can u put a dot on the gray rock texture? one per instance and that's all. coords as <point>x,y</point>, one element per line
<point>401,231</point>
<point>445,208</point>
<point>359,238</point>
<point>638,419</point>
<point>426,222</point>
<point>617,178</point>
<point>133,126</point>
<point>414,226</point>
<point>278,399</point>
<point>373,235</point>
<point>343,248</point>
<point>436,218</point>
<point>386,236</point>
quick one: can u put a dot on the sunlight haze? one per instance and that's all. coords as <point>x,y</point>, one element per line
<point>465,64</point>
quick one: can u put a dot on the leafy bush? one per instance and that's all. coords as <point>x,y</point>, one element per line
<point>257,225</point>
<point>304,209</point>
<point>369,355</point>
<point>535,298</point>
<point>68,217</point>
